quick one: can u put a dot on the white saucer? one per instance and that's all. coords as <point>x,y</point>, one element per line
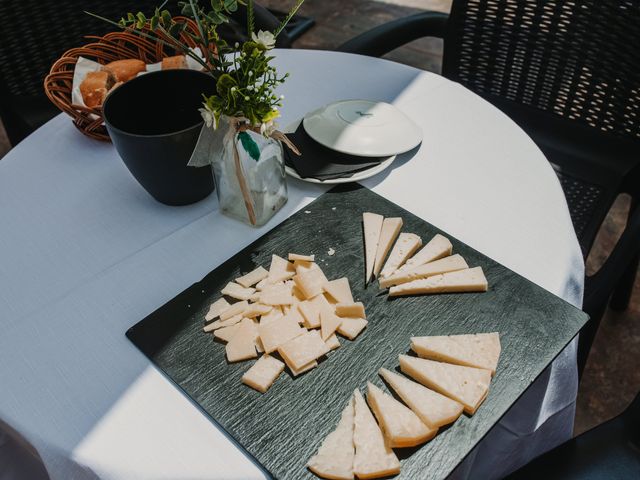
<point>356,177</point>
<point>363,128</point>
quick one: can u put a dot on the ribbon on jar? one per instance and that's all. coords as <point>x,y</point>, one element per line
<point>210,141</point>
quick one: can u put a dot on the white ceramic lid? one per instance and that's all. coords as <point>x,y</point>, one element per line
<point>363,127</point>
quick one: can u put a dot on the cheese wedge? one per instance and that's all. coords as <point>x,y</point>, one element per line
<point>372,226</point>
<point>438,247</point>
<point>332,342</point>
<point>294,257</point>
<point>216,308</point>
<point>278,294</point>
<point>444,265</point>
<point>226,333</point>
<point>351,327</point>
<point>234,290</point>
<point>236,309</point>
<point>256,310</point>
<point>390,230</point>
<point>329,323</point>
<point>242,345</point>
<point>469,280</point>
<point>400,425</point>
<point>432,408</point>
<point>311,313</point>
<point>303,349</point>
<point>278,331</point>
<point>263,373</point>
<point>480,350</point>
<point>466,385</point>
<point>405,246</point>
<point>334,459</point>
<point>373,457</point>
<point>305,368</point>
<point>310,282</point>
<point>222,323</point>
<point>253,277</point>
<point>339,289</point>
<point>350,310</point>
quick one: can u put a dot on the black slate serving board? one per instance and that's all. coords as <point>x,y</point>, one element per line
<point>284,427</point>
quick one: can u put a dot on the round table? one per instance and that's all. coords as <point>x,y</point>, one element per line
<point>86,253</point>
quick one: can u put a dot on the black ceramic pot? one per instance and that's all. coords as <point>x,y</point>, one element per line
<point>154,123</point>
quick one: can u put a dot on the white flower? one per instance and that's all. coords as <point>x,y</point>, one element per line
<point>281,97</point>
<point>267,128</point>
<point>208,117</point>
<point>264,38</point>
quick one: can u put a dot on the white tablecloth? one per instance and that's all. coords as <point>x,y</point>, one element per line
<point>85,253</point>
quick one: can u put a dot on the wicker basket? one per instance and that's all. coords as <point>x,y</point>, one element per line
<point>113,46</point>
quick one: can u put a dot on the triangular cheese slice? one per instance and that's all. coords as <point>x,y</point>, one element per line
<point>374,458</point>
<point>372,223</point>
<point>438,247</point>
<point>329,323</point>
<point>466,385</point>
<point>334,459</point>
<point>279,269</point>
<point>405,246</point>
<point>432,408</point>
<point>390,231</point>
<point>400,425</point>
<point>216,308</point>
<point>444,265</point>
<point>469,280</point>
<point>480,350</point>
<point>340,290</point>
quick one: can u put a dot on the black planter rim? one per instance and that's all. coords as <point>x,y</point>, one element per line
<point>110,126</point>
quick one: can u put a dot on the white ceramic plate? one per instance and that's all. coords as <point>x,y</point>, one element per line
<point>363,128</point>
<point>356,177</point>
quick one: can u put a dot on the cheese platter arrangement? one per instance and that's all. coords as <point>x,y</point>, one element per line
<point>355,294</point>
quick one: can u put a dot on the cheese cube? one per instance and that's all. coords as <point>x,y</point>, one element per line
<point>400,425</point>
<point>350,310</point>
<point>278,331</point>
<point>390,230</point>
<point>329,323</point>
<point>223,323</point>
<point>351,327</point>
<point>216,308</point>
<point>438,247</point>
<point>233,310</point>
<point>242,345</point>
<point>294,257</point>
<point>310,282</point>
<point>263,373</point>
<point>444,265</point>
<point>253,277</point>
<point>339,289</point>
<point>234,290</point>
<point>226,333</point>
<point>303,349</point>
<point>405,246</point>
<point>469,280</point>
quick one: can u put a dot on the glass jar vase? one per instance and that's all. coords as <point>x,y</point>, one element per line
<point>249,175</point>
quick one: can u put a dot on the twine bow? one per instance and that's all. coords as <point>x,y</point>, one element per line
<point>237,125</point>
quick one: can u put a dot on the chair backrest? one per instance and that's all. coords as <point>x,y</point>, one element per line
<point>35,33</point>
<point>578,59</point>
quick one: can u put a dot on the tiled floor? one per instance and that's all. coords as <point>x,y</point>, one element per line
<point>612,377</point>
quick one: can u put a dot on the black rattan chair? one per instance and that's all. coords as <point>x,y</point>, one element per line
<point>569,74</point>
<point>609,451</point>
<point>35,33</point>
